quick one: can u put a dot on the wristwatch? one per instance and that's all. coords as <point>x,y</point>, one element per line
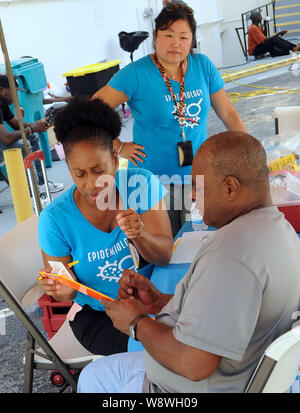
<point>133,326</point>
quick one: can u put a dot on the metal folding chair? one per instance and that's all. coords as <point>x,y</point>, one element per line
<point>20,261</point>
<point>279,365</point>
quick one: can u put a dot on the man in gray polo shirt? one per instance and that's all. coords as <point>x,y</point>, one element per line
<point>238,296</point>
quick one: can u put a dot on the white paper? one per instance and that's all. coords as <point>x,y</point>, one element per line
<point>188,246</point>
<point>59,268</point>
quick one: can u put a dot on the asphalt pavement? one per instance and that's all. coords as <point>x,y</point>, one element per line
<point>256,112</point>
<point>12,350</point>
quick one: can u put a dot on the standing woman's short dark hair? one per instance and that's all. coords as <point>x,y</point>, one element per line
<point>173,12</point>
<point>83,119</point>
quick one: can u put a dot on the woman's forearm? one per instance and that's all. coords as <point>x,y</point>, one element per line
<point>227,112</point>
<point>234,122</point>
<point>65,297</point>
<point>156,249</point>
<point>116,144</point>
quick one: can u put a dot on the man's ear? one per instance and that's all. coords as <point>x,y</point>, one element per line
<point>232,187</point>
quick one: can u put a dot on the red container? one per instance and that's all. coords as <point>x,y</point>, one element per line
<point>291,212</point>
<point>54,313</point>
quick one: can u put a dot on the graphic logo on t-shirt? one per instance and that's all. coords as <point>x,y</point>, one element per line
<point>112,261</point>
<point>192,110</point>
<point>112,271</point>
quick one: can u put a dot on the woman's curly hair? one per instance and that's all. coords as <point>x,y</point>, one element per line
<point>86,120</point>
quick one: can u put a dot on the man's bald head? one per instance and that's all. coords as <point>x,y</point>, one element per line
<point>236,154</point>
<point>235,177</point>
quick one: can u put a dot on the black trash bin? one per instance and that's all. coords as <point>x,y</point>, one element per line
<point>87,80</point>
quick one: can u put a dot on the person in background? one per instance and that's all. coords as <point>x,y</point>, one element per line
<point>169,93</point>
<point>11,139</point>
<point>94,221</point>
<point>232,303</point>
<point>56,99</point>
<point>259,43</point>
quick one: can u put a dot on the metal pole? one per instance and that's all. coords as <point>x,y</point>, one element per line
<point>245,41</point>
<point>274,16</point>
<point>18,112</point>
<point>46,180</point>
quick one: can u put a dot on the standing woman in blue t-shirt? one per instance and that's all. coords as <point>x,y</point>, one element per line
<point>169,94</point>
<point>93,220</point>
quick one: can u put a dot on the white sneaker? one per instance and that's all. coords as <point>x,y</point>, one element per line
<point>44,200</point>
<point>53,187</point>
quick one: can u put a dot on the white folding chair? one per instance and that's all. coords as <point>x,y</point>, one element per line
<point>287,119</point>
<point>20,261</point>
<point>279,365</point>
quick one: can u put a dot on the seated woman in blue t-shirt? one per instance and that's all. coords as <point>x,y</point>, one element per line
<point>93,220</point>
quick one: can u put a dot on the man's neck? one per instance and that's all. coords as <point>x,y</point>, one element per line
<point>265,202</point>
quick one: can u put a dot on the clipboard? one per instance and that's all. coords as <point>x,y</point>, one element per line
<point>76,286</point>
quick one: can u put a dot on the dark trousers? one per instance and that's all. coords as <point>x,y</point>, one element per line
<point>275,45</point>
<point>95,331</point>
<point>33,144</point>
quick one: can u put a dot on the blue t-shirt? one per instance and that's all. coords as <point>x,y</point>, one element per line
<point>63,230</point>
<point>155,126</point>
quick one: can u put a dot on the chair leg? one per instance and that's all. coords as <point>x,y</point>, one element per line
<point>29,364</point>
<point>4,177</point>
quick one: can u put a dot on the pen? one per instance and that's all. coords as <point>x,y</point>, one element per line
<point>134,255</point>
<point>71,264</point>
<point>187,118</point>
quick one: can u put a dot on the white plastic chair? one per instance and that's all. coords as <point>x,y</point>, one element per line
<point>279,365</point>
<point>20,261</point>
<point>287,119</point>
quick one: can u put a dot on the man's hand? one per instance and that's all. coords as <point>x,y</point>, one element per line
<point>40,125</point>
<point>136,285</point>
<point>122,313</point>
<point>130,222</point>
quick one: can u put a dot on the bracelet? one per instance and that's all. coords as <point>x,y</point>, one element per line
<point>120,148</point>
<point>28,131</point>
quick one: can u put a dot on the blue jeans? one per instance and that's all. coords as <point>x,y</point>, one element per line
<point>118,373</point>
<point>33,143</point>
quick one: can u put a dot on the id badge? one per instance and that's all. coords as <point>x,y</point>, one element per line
<point>185,153</point>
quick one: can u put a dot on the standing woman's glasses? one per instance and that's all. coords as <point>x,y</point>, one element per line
<point>173,7</point>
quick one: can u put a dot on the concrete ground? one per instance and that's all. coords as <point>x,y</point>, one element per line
<point>256,112</point>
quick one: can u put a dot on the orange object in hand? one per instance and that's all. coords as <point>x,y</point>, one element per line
<point>76,286</point>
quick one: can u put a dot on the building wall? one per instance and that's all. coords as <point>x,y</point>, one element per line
<point>67,34</point>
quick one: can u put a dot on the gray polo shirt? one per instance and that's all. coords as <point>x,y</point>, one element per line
<point>237,297</point>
